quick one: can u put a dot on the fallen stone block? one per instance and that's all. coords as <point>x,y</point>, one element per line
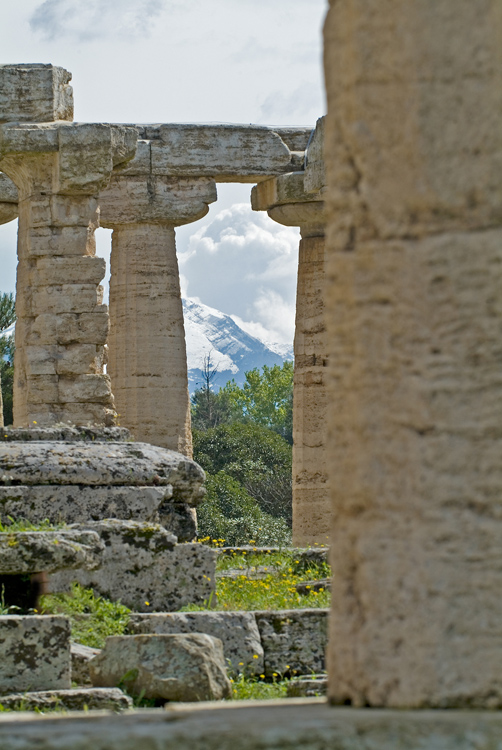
<point>188,667</point>
<point>35,551</point>
<point>35,653</point>
<point>83,699</point>
<point>80,657</point>
<point>145,569</point>
<point>293,640</point>
<point>237,631</point>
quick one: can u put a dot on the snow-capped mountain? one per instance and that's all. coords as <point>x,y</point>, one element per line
<point>233,351</point>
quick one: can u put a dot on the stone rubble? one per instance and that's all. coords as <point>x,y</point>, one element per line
<point>35,653</point>
<point>188,667</point>
<point>76,699</point>
<point>49,551</point>
<point>145,568</point>
<point>80,657</point>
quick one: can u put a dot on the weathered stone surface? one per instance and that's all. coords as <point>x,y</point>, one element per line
<point>414,326</point>
<point>35,93</point>
<point>307,587</point>
<point>80,503</point>
<point>80,657</point>
<point>180,519</point>
<point>76,699</point>
<point>35,653</point>
<point>90,463</point>
<point>66,433</point>
<point>293,640</point>
<point>34,551</point>
<point>237,631</point>
<point>315,172</point>
<point>242,153</point>
<point>145,568</point>
<point>281,725</point>
<point>307,688</point>
<point>8,199</point>
<point>188,667</point>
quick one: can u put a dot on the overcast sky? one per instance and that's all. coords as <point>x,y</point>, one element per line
<point>247,61</point>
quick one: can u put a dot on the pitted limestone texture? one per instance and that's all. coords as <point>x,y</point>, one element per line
<point>48,551</point>
<point>35,93</point>
<point>188,667</point>
<point>293,640</point>
<point>35,653</point>
<point>76,699</point>
<point>145,569</point>
<point>8,199</point>
<point>94,464</point>
<point>237,631</point>
<point>313,687</point>
<point>66,433</point>
<point>75,503</point>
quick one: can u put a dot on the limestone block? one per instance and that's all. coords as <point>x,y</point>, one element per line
<point>78,503</point>
<point>35,653</point>
<point>34,551</point>
<point>8,199</point>
<point>237,631</point>
<point>80,657</point>
<point>93,388</point>
<point>307,688</point>
<point>154,199</point>
<point>219,151</point>
<point>42,389</point>
<point>79,359</point>
<point>64,298</point>
<point>26,139</point>
<point>293,640</point>
<point>76,699</point>
<point>82,415</point>
<point>315,172</point>
<point>180,519</point>
<point>145,569</point>
<point>281,725</point>
<point>68,270</point>
<point>91,463</point>
<point>61,241</point>
<point>88,152</point>
<point>68,328</point>
<point>72,211</point>
<point>421,157</point>
<point>277,191</point>
<point>296,139</point>
<point>35,93</point>
<point>188,667</point>
<point>67,433</point>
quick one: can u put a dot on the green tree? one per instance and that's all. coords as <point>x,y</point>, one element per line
<point>210,408</point>
<point>7,318</point>
<point>254,456</point>
<point>266,398</point>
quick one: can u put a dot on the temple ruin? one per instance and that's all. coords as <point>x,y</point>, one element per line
<point>142,181</point>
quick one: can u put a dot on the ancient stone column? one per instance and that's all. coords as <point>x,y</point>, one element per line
<point>295,199</point>
<point>8,212</point>
<point>414,320</point>
<point>147,360</point>
<point>58,168</point>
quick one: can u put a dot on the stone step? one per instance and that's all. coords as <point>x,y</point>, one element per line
<point>311,687</point>
<point>78,699</point>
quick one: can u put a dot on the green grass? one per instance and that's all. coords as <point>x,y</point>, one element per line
<point>92,617</point>
<point>253,688</point>
<point>23,525</point>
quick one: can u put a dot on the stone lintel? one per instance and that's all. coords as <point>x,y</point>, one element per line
<point>226,152</point>
<point>281,724</point>
<point>35,93</point>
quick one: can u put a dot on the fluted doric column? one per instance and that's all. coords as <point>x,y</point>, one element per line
<point>58,168</point>
<point>147,359</point>
<point>414,319</point>
<point>295,199</point>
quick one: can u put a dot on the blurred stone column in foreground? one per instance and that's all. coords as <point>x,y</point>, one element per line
<point>295,199</point>
<point>147,360</point>
<point>58,168</point>
<point>414,320</point>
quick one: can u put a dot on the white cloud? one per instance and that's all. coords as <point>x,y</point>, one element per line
<point>245,264</point>
<point>95,18</point>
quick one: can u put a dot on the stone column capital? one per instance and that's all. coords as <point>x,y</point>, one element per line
<point>155,199</point>
<point>8,199</point>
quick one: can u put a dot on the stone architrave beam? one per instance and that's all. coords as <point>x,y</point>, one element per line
<point>296,199</point>
<point>58,168</point>
<point>414,319</point>
<point>147,361</point>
